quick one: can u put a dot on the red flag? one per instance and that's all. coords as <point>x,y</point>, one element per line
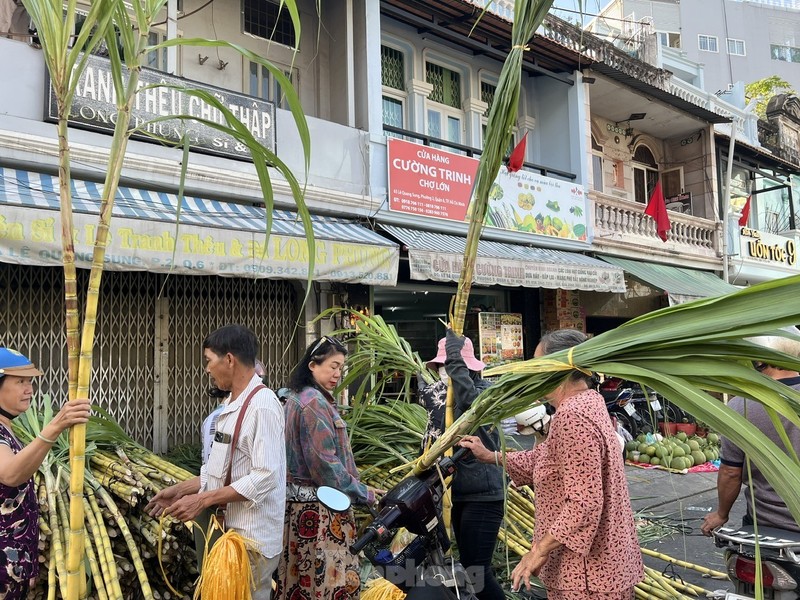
<point>745,213</point>
<point>657,209</point>
<point>517,156</point>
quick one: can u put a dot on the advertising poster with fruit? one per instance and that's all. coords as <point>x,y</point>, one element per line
<point>500,336</point>
<point>436,183</point>
<point>532,203</point>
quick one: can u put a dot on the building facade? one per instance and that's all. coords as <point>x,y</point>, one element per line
<point>396,96</point>
<point>734,40</point>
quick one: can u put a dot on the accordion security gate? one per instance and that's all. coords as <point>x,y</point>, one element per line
<point>148,367</point>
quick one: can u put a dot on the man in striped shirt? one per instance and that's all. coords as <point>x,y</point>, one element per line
<point>256,496</point>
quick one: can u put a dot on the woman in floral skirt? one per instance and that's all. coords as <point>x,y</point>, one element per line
<point>316,562</point>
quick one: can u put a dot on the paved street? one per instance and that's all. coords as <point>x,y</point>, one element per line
<point>682,501</point>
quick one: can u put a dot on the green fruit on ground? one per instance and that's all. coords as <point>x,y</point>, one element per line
<point>713,438</point>
<point>694,445</point>
<point>654,460</point>
<point>681,435</point>
<point>661,451</point>
<point>641,438</point>
<point>632,445</point>
<point>698,457</point>
<point>651,451</point>
<point>677,463</point>
<point>686,448</point>
<point>708,453</point>
<point>678,452</point>
<point>643,458</point>
<point>702,441</point>
<point>643,448</point>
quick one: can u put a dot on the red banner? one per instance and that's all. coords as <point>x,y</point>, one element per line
<point>430,182</point>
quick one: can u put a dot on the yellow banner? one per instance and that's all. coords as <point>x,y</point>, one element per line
<point>33,237</point>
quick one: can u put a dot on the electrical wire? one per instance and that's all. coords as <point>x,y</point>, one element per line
<point>189,14</point>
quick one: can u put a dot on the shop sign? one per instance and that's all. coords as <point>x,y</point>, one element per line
<point>444,266</point>
<point>435,183</point>
<point>94,107</point>
<point>33,237</point>
<point>766,247</point>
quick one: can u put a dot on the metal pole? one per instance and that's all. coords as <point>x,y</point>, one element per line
<point>726,202</point>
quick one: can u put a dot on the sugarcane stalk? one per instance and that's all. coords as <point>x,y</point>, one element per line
<point>97,576</point>
<point>103,543</point>
<point>647,591</point>
<point>662,582</point>
<point>687,565</point>
<point>51,575</point>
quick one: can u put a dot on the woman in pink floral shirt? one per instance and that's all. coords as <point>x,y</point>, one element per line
<point>585,544</point>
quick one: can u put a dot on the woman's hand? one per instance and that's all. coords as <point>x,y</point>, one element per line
<point>72,413</point>
<point>474,444</point>
<point>530,564</point>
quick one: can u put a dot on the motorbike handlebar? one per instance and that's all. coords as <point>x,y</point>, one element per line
<point>369,535</point>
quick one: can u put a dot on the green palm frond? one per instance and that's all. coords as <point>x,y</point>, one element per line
<point>682,352</point>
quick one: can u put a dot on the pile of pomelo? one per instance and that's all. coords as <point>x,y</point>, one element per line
<point>675,452</point>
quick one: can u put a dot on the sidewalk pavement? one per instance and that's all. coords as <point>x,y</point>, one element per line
<point>681,501</point>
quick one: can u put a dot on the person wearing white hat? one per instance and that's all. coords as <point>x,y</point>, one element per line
<point>533,421</point>
<point>19,518</point>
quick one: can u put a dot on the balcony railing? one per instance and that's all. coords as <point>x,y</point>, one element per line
<point>620,222</point>
<point>428,140</point>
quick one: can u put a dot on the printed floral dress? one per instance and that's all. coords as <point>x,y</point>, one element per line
<point>316,563</point>
<point>19,532</point>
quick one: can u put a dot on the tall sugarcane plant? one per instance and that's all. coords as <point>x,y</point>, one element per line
<point>124,28</point>
<point>528,15</point>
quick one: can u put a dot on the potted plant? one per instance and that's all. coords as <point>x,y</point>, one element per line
<point>686,427</point>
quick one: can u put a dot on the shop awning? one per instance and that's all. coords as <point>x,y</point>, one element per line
<point>680,283</point>
<point>213,237</point>
<point>439,257</point>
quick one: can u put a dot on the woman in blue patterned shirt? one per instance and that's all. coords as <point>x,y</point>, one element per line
<point>317,563</point>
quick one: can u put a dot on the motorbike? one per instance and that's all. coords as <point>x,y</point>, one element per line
<point>631,405</point>
<point>780,561</point>
<point>421,568</point>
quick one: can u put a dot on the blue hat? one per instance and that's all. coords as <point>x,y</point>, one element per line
<point>14,363</point>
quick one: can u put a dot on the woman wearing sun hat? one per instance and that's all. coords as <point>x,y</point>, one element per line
<point>19,510</point>
<point>477,490</point>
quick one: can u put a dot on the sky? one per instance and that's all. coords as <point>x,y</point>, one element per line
<point>590,7</point>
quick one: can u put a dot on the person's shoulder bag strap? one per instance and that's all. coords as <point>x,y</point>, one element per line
<point>235,440</point>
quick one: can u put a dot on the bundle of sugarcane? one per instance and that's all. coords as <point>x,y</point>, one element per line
<point>389,433</point>
<point>125,550</point>
<point>380,352</point>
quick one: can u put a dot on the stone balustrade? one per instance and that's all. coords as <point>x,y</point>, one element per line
<point>622,223</point>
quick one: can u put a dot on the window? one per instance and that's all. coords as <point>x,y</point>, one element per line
<point>393,79</point>
<point>645,174</point>
<point>444,114</point>
<point>707,43</point>
<point>487,95</point>
<point>446,85</point>
<point>263,84</point>
<point>597,166</point>
<point>785,53</point>
<point>266,19</point>
<point>736,47</point>
<point>672,182</point>
<point>671,39</point>
<point>156,59</point>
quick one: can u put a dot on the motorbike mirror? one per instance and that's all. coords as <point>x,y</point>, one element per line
<point>333,499</point>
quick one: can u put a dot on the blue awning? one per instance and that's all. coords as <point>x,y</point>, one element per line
<point>40,190</point>
<point>439,257</point>
<point>206,236</point>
